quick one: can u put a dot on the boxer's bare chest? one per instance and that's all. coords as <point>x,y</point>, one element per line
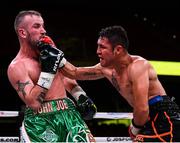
<point>34,69</point>
<point>56,91</point>
<point>122,83</point>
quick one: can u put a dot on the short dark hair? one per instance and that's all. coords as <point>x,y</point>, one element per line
<point>21,15</point>
<point>116,35</point>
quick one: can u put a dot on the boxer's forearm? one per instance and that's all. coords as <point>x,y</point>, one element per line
<point>140,117</point>
<point>69,70</point>
<point>81,73</point>
<point>35,97</point>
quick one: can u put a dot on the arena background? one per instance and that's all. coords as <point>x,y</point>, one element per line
<point>153,30</point>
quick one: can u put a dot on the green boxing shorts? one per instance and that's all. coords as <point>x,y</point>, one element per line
<point>55,121</point>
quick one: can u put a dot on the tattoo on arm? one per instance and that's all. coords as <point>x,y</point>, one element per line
<point>91,75</point>
<point>21,87</point>
<point>115,83</point>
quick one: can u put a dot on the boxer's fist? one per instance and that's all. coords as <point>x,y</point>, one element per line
<point>45,40</point>
<point>86,107</point>
<point>50,58</point>
<point>46,43</point>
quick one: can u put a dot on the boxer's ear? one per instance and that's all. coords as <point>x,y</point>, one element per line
<point>118,49</point>
<point>22,32</point>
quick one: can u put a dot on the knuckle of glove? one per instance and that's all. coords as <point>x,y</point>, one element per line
<point>45,42</point>
<point>43,46</point>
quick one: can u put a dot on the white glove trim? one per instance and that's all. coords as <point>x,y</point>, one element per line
<point>77,91</point>
<point>62,63</point>
<point>134,130</point>
<point>45,80</point>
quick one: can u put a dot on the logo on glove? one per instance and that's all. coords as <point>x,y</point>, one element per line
<point>56,65</point>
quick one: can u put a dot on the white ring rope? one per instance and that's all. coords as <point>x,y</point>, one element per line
<point>113,115</point>
<point>9,113</point>
<point>98,115</point>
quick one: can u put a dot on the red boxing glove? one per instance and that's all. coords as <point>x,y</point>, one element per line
<point>46,39</point>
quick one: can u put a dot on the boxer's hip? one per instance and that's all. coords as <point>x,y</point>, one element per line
<point>161,104</point>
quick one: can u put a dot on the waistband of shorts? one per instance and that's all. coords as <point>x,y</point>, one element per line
<point>52,106</point>
<point>156,99</point>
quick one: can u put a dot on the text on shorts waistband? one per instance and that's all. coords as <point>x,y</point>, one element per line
<point>51,106</point>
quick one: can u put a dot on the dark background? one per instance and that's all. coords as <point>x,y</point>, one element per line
<point>152,27</point>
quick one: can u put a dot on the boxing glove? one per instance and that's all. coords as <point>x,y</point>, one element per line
<point>50,58</point>
<point>46,42</point>
<point>134,130</point>
<point>85,105</point>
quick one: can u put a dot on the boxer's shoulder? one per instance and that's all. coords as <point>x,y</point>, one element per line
<point>20,65</point>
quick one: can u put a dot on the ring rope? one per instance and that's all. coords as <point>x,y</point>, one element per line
<point>98,115</point>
